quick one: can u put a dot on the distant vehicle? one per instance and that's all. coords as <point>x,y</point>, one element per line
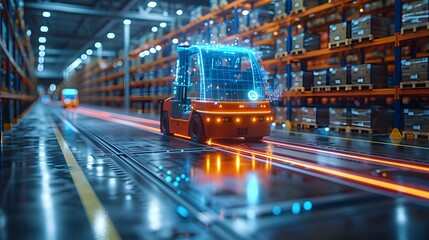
<point>46,99</point>
<point>218,93</point>
<point>69,97</point>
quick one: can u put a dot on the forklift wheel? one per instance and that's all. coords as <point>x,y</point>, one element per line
<point>196,129</point>
<point>165,128</point>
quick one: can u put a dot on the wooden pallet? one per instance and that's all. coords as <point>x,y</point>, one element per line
<point>339,43</point>
<point>361,130</point>
<point>415,135</point>
<point>362,38</point>
<point>297,89</point>
<point>297,10</point>
<point>414,84</point>
<point>280,55</point>
<point>280,16</point>
<point>321,88</point>
<point>306,125</point>
<point>344,129</point>
<point>254,25</point>
<point>298,51</point>
<point>341,87</point>
<point>415,28</point>
<point>362,86</point>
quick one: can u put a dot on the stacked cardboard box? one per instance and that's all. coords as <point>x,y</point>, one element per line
<point>313,115</point>
<point>416,69</point>
<point>306,41</point>
<point>265,51</point>
<point>302,5</point>
<point>339,76</point>
<point>415,13</point>
<point>372,118</point>
<point>321,78</point>
<point>279,9</point>
<point>370,27</point>
<point>369,74</point>
<point>260,16</point>
<point>302,79</point>
<point>416,120</point>
<point>339,117</point>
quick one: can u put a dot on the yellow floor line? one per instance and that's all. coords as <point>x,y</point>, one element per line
<point>100,223</point>
<point>361,140</point>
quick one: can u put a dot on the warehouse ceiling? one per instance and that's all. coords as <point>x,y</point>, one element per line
<point>74,26</point>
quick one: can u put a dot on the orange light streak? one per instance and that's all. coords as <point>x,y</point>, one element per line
<point>182,136</point>
<point>346,175</point>
<point>353,156</point>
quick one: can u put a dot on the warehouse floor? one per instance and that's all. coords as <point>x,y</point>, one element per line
<point>95,172</point>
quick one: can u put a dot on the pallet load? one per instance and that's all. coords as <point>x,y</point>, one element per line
<point>339,34</point>
<point>281,48</point>
<point>369,28</point>
<point>368,76</point>
<point>265,51</point>
<point>340,78</point>
<point>415,73</point>
<point>280,81</point>
<point>313,117</point>
<point>339,119</point>
<point>415,16</point>
<point>320,81</point>
<point>302,5</point>
<point>303,42</point>
<point>369,120</point>
<point>260,16</point>
<point>416,123</point>
<point>301,81</point>
<point>279,9</point>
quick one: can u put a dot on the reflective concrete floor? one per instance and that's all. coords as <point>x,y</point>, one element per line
<point>95,173</point>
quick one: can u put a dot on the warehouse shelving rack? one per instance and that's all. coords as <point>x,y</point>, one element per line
<point>283,65</point>
<point>18,82</point>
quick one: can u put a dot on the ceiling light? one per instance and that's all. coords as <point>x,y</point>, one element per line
<point>146,53</point>
<point>158,48</point>
<point>127,22</point>
<point>141,54</point>
<point>165,13</point>
<point>245,12</point>
<point>179,12</point>
<point>152,4</point>
<point>46,14</point>
<point>97,45</point>
<point>52,87</point>
<point>28,32</point>
<point>154,29</point>
<point>42,39</point>
<point>42,53</point>
<point>163,24</point>
<point>152,50</point>
<point>42,48</point>
<point>89,52</point>
<point>44,29</point>
<point>40,67</point>
<point>84,56</point>
<point>111,35</point>
<point>41,60</point>
<point>175,40</point>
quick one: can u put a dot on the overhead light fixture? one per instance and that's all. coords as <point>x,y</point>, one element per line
<point>158,48</point>
<point>146,52</point>
<point>245,12</point>
<point>74,64</point>
<point>89,52</point>
<point>152,50</point>
<point>42,48</point>
<point>175,41</point>
<point>41,60</point>
<point>44,29</point>
<point>84,56</point>
<point>127,22</point>
<point>111,35</point>
<point>46,14</point>
<point>165,13</point>
<point>42,39</point>
<point>141,54</point>
<point>152,4</point>
<point>97,45</point>
<point>179,12</point>
<point>40,67</point>
<point>163,24</point>
<point>52,87</point>
<point>42,53</point>
<point>154,29</point>
<point>28,32</point>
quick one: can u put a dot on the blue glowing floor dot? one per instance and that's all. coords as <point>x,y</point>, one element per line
<point>168,179</point>
<point>176,184</point>
<point>296,208</point>
<point>183,176</point>
<point>160,167</point>
<point>168,172</point>
<point>178,179</point>
<point>308,205</point>
<point>182,211</point>
<point>187,179</point>
<point>277,210</point>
